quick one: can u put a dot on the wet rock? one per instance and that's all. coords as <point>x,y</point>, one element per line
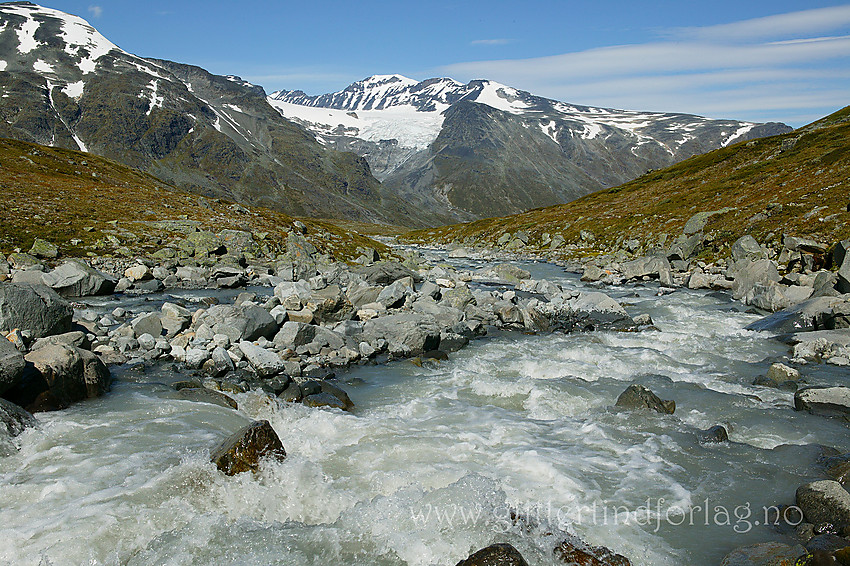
<point>243,451</point>
<point>824,401</point>
<point>74,278</point>
<point>582,554</point>
<point>779,375</point>
<point>764,554</point>
<point>292,393</point>
<point>14,419</point>
<point>826,543</point>
<point>597,311</point>
<point>806,316</point>
<point>60,375</point>
<point>716,433</point>
<point>35,308</point>
<point>639,397</point>
<point>775,297</point>
<point>824,501</point>
<point>265,362</point>
<point>323,400</point>
<point>204,395</point>
<point>12,365</point>
<point>501,554</point>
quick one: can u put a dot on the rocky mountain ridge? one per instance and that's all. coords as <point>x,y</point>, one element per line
<point>483,148</point>
<point>66,85</point>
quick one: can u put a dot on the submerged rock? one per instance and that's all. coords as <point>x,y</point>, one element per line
<point>639,397</point>
<point>764,554</point>
<point>586,555</point>
<point>716,433</point>
<point>244,449</point>
<point>500,554</point>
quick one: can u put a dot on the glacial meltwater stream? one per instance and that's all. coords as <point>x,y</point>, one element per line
<point>435,460</point>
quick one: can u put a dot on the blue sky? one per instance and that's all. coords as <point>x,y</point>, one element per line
<point>757,60</point>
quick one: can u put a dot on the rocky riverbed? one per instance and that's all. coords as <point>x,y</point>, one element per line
<point>261,338</point>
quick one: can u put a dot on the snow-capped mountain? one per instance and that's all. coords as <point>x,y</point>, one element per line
<point>64,84</point>
<point>483,148</point>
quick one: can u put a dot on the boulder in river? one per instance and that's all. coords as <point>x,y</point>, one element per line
<point>14,419</point>
<point>35,308</point>
<point>243,450</point>
<point>639,397</point>
<point>824,401</point>
<point>598,311</point>
<point>416,333</point>
<point>586,555</point>
<point>500,554</point>
<point>60,376</point>
<point>803,317</point>
<point>824,501</point>
<point>75,278</point>
<point>243,322</point>
<point>717,433</point>
<point>764,554</point>
<point>12,365</point>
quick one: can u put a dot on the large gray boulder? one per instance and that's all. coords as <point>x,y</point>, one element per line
<point>746,247</point>
<point>806,316</point>
<point>824,501</point>
<point>598,311</point>
<point>652,266</point>
<point>384,273</point>
<point>62,375</point>
<point>35,308</point>
<point>12,365</point>
<point>243,322</point>
<point>825,401</point>
<point>775,297</point>
<point>74,278</point>
<point>417,333</point>
<point>265,362</point>
<point>749,274</point>
<point>14,419</point>
<point>293,334</point>
<point>329,305</point>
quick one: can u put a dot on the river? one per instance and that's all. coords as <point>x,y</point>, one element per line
<point>435,460</point>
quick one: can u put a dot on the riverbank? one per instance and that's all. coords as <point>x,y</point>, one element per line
<point>509,300</point>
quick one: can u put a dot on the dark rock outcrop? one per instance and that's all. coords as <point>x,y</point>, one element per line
<point>244,449</point>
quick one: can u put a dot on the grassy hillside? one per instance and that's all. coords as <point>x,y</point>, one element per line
<point>797,183</point>
<point>90,205</point>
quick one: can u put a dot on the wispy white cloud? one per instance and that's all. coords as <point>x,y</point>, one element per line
<point>95,11</point>
<point>814,21</point>
<point>499,41</point>
<point>766,69</point>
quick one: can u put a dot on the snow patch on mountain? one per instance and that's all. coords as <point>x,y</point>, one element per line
<point>405,124</point>
<point>74,90</point>
<point>740,132</point>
